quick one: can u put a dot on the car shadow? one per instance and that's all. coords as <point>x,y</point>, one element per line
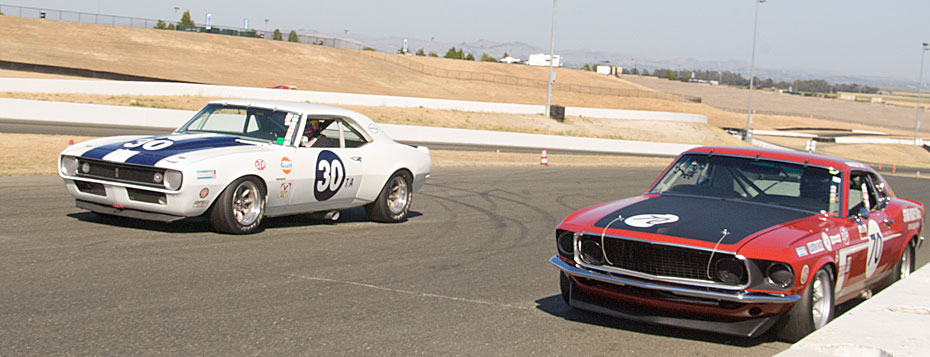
<point>202,225</point>
<point>554,306</point>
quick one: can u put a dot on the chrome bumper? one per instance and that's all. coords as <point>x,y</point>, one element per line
<point>742,296</point>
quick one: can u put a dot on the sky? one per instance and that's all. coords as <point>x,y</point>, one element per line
<point>843,37</point>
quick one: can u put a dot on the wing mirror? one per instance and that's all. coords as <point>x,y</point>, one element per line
<point>863,214</point>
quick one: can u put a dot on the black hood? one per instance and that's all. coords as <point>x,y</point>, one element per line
<point>700,218</point>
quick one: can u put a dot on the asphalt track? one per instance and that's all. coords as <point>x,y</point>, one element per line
<point>467,274</point>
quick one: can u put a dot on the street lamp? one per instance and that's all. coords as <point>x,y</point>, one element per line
<point>551,59</point>
<point>924,48</point>
<point>752,73</point>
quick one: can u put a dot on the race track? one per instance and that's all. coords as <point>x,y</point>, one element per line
<point>468,274</point>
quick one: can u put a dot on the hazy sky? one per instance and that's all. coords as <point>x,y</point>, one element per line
<point>853,37</point>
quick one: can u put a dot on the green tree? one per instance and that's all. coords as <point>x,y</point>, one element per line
<point>460,54</point>
<point>586,67</point>
<point>292,36</point>
<point>452,53</point>
<point>160,25</point>
<point>368,49</point>
<point>669,74</point>
<point>171,27</point>
<point>469,57</point>
<point>277,35</point>
<point>486,58</point>
<point>433,54</point>
<point>420,52</point>
<point>505,55</point>
<point>186,19</point>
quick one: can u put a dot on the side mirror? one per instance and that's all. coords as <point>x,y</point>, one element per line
<point>863,213</point>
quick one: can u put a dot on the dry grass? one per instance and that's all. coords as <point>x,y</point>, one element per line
<point>32,154</point>
<point>447,158</point>
<point>903,155</point>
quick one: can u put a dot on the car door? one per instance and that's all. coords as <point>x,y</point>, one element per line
<point>860,261</point>
<point>330,171</point>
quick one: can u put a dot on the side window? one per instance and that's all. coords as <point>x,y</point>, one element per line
<point>881,193</point>
<point>327,133</point>
<point>861,193</point>
<point>352,136</point>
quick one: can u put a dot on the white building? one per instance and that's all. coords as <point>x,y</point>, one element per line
<point>542,59</point>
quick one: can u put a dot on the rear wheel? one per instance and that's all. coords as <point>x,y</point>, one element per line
<point>239,209</point>
<point>813,311</point>
<point>393,203</point>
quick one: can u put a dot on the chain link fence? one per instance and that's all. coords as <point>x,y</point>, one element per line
<point>113,20</point>
<point>402,61</point>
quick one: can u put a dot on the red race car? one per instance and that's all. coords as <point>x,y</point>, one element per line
<point>738,240</point>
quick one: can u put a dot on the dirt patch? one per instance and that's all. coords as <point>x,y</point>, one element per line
<point>32,154</point>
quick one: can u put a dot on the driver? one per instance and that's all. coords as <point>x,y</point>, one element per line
<point>313,137</point>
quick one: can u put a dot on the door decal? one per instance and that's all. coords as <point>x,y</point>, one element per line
<point>330,175</point>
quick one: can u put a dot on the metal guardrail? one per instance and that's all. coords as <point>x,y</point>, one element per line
<point>137,22</point>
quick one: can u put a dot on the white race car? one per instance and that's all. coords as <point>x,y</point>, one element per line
<point>238,161</point>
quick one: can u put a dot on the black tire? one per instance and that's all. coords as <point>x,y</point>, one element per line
<point>810,313</point>
<point>566,285</point>
<point>393,204</point>
<point>240,208</point>
<point>905,265</point>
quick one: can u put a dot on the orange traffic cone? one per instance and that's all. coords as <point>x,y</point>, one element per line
<point>544,160</point>
<point>879,166</point>
<point>71,142</point>
<point>894,168</point>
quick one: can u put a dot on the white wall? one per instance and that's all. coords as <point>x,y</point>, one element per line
<point>27,85</point>
<point>42,111</point>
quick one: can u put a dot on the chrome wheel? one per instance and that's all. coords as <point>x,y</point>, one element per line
<point>398,195</point>
<point>247,203</point>
<point>821,300</point>
<point>905,262</point>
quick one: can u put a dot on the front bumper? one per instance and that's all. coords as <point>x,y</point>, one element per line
<point>701,313</point>
<point>740,296</point>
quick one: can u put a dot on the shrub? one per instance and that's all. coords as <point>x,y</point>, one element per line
<point>292,36</point>
<point>186,19</point>
<point>277,35</point>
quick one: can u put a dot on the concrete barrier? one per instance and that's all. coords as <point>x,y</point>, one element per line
<point>28,85</point>
<point>892,323</point>
<point>34,110</point>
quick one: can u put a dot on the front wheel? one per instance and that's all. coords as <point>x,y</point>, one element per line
<point>239,209</point>
<point>813,311</point>
<point>393,203</point>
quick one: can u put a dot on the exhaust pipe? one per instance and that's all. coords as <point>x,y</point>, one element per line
<point>326,216</point>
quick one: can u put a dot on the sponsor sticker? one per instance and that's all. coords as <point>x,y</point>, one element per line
<point>201,204</point>
<point>259,164</point>
<point>837,179</point>
<point>844,235</point>
<point>204,192</point>
<point>805,272</point>
<point>815,247</point>
<point>911,226</point>
<point>826,241</point>
<point>911,214</point>
<point>286,165</point>
<point>374,129</point>
<point>206,174</point>
<point>285,190</point>
<point>802,252</point>
<point>837,238</point>
<point>649,220</point>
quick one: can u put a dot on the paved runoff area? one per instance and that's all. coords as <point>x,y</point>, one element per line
<point>467,274</point>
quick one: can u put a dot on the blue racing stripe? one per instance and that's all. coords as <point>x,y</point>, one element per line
<point>158,148</point>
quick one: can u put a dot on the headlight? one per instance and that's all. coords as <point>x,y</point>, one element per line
<point>591,252</point>
<point>730,271</point>
<point>85,167</point>
<point>69,165</point>
<point>158,177</point>
<point>173,179</point>
<point>780,274</point>
<point>565,242</point>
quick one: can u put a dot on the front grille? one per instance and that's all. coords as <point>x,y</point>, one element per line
<point>91,188</point>
<point>147,196</point>
<point>139,175</point>
<point>662,260</point>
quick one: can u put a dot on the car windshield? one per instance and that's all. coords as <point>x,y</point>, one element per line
<point>770,182</point>
<point>275,126</point>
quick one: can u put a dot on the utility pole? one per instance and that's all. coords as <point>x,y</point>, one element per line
<point>752,73</point>
<point>551,59</point>
<point>924,47</point>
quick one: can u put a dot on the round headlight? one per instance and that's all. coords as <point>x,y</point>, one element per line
<point>172,179</point>
<point>158,177</point>
<point>85,167</point>
<point>591,252</point>
<point>780,274</point>
<point>69,165</point>
<point>565,241</point>
<point>730,271</point>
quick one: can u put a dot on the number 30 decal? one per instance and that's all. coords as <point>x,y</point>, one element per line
<point>330,175</point>
<point>149,144</point>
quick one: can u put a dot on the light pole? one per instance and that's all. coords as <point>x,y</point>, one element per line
<point>752,73</point>
<point>551,59</point>
<point>923,49</point>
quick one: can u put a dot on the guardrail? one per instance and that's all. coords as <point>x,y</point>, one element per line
<point>29,85</point>
<point>106,115</point>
